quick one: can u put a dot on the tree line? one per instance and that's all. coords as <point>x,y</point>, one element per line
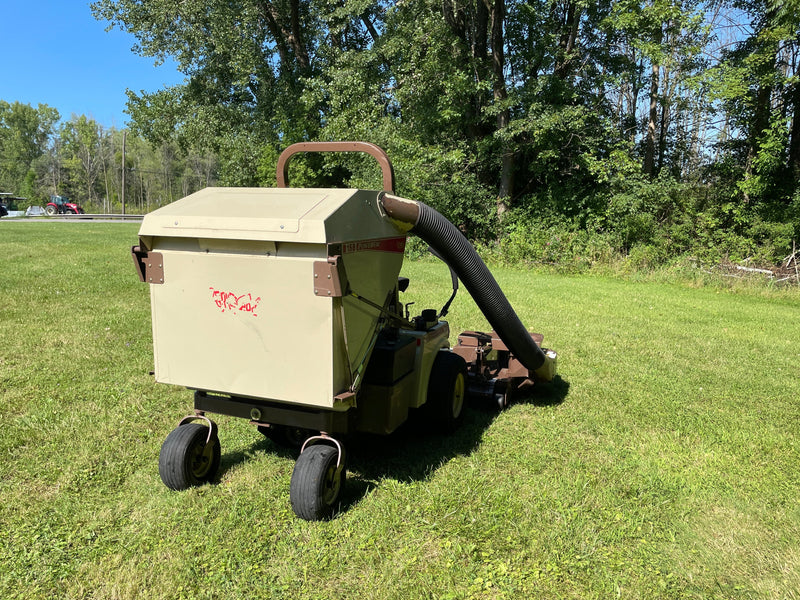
<point>655,128</point>
<point>41,155</point>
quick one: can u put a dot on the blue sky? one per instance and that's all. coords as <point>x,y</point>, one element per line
<point>56,53</point>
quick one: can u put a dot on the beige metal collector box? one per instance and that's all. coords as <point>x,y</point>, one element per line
<point>246,296</point>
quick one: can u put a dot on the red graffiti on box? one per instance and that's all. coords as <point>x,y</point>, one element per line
<point>230,302</point>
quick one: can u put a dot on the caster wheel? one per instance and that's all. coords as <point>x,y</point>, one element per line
<point>317,483</point>
<point>186,460</point>
<point>447,390</point>
<point>502,396</point>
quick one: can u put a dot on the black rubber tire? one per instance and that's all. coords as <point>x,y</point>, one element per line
<point>447,391</point>
<point>502,396</point>
<point>50,211</point>
<point>315,488</point>
<point>287,437</point>
<point>186,460</point>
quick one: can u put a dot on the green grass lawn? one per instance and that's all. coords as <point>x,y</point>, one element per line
<point>663,464</point>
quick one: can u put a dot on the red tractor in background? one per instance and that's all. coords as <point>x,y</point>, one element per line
<point>60,205</point>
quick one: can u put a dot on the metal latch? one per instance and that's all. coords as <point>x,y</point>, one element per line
<point>149,265</point>
<point>329,277</point>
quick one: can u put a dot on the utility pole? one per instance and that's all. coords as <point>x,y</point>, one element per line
<point>122,193</point>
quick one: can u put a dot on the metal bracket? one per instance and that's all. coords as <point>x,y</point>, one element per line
<point>212,427</point>
<point>149,265</point>
<point>328,277</point>
<point>347,398</point>
<point>326,439</point>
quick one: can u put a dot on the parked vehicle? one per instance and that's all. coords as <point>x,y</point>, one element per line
<point>8,202</point>
<point>60,205</point>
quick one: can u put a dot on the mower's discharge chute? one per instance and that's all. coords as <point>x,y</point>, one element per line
<point>461,257</point>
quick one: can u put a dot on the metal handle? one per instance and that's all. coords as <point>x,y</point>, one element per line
<point>375,151</point>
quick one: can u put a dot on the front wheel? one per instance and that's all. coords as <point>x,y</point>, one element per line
<point>317,483</point>
<point>447,390</point>
<point>186,459</point>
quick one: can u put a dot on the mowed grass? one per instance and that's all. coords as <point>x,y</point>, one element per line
<point>662,464</point>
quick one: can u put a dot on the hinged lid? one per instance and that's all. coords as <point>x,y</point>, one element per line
<point>264,214</point>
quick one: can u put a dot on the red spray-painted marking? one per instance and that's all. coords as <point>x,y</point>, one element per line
<point>230,302</point>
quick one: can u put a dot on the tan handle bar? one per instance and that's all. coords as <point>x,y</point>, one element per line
<point>375,151</point>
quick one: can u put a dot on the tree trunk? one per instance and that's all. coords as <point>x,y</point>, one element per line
<point>650,138</point>
<point>482,67</point>
<point>480,41</point>
<point>630,125</point>
<point>506,188</point>
<point>286,38</point>
<point>794,141</point>
<point>763,105</point>
<point>760,125</point>
<point>296,37</point>
<point>122,187</point>
<point>665,119</point>
<point>469,22</point>
<point>105,179</point>
<point>270,16</point>
<point>453,13</point>
<point>568,39</point>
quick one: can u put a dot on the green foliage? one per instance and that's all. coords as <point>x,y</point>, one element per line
<point>640,208</point>
<point>621,125</point>
<point>563,245</point>
<point>81,159</point>
<point>24,135</point>
<point>647,224</point>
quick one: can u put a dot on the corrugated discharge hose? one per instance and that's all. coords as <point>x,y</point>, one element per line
<point>459,254</point>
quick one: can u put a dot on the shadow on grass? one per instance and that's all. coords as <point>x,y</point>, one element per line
<point>414,451</point>
<point>260,443</point>
<point>551,394</point>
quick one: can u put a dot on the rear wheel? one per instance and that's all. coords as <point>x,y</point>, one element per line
<point>186,459</point>
<point>317,483</point>
<point>50,210</point>
<point>447,390</point>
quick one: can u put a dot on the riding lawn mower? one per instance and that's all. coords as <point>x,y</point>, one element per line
<point>282,306</point>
